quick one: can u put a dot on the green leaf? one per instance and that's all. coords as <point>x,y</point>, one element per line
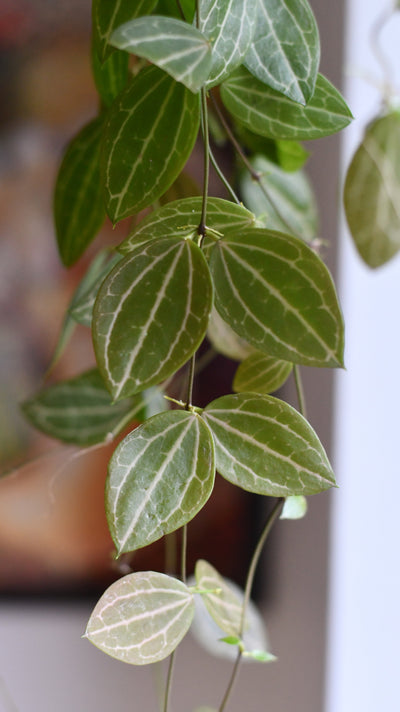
<point>265,446</point>
<point>372,192</point>
<point>170,8</point>
<point>289,155</point>
<point>294,508</point>
<point>151,314</point>
<point>81,307</point>
<point>260,373</point>
<point>181,218</point>
<point>80,410</point>
<point>174,46</point>
<point>224,607</point>
<point>149,135</point>
<point>291,204</point>
<point>269,113</point>
<point>285,51</point>
<point>229,25</point>
<point>78,199</point>
<point>160,476</point>
<point>108,15</point>
<point>275,292</point>
<point>141,618</point>
<point>111,76</point>
<point>225,340</point>
<point>261,656</point>
<point>231,640</point>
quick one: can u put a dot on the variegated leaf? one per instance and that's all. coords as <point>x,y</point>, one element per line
<point>109,14</point>
<point>265,446</point>
<point>229,25</point>
<point>149,135</point>
<point>141,618</point>
<point>277,294</point>
<point>160,476</point>
<point>260,373</point>
<point>151,314</point>
<point>269,113</point>
<point>181,218</point>
<point>221,602</point>
<point>173,45</point>
<point>285,51</point>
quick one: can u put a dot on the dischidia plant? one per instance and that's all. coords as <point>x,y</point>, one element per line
<point>246,274</point>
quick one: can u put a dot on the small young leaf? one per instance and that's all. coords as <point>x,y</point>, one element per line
<point>231,640</point>
<point>181,218</point>
<point>151,314</point>
<point>224,607</point>
<point>81,307</point>
<point>276,293</point>
<point>225,340</point>
<point>229,25</point>
<point>294,508</point>
<point>108,15</point>
<point>261,656</point>
<point>174,46</point>
<point>269,113</point>
<point>291,207</point>
<point>372,192</point>
<point>160,476</point>
<point>260,373</point>
<point>78,199</point>
<point>141,618</point>
<point>265,446</point>
<point>285,50</point>
<point>148,137</point>
<point>111,76</point>
<point>80,410</point>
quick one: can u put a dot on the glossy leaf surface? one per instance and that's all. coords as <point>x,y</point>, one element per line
<point>141,618</point>
<point>285,50</point>
<point>265,446</point>
<point>78,199</point>
<point>80,410</point>
<point>181,218</point>
<point>260,373</point>
<point>173,45</point>
<point>151,314</point>
<point>229,25</point>
<point>277,294</point>
<point>372,192</point>
<point>160,476</point>
<point>269,113</point>
<point>149,135</point>
<point>109,14</point>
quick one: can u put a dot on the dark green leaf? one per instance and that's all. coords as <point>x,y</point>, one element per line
<point>170,8</point>
<point>285,51</point>
<point>141,618</point>
<point>80,410</point>
<point>111,76</point>
<point>81,307</point>
<point>260,373</point>
<point>277,294</point>
<point>173,45</point>
<point>149,135</point>
<point>78,199</point>
<point>372,192</point>
<point>109,14</point>
<point>151,314</point>
<point>160,476</point>
<point>265,446</point>
<point>269,113</point>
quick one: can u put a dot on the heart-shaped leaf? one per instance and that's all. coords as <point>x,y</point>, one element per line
<point>141,618</point>
<point>277,294</point>
<point>151,314</point>
<point>265,446</point>
<point>269,113</point>
<point>260,373</point>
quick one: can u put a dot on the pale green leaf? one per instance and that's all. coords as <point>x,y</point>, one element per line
<point>261,656</point>
<point>80,410</point>
<point>141,618</point>
<point>260,373</point>
<point>285,50</point>
<point>148,137</point>
<point>265,446</point>
<point>278,295</point>
<point>225,340</point>
<point>81,307</point>
<point>78,198</point>
<point>151,314</point>
<point>110,77</point>
<point>269,113</point>
<point>294,508</point>
<point>372,192</point>
<point>229,25</point>
<point>181,218</point>
<point>109,14</point>
<point>173,45</point>
<point>290,205</point>
<point>221,602</point>
<point>160,476</point>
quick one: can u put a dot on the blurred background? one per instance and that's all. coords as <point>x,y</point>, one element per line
<point>330,584</point>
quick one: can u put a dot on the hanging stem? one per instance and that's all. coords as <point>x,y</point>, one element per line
<point>272,517</point>
<point>169,681</point>
<point>300,390</point>
<point>223,179</point>
<point>206,170</point>
<point>184,553</point>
